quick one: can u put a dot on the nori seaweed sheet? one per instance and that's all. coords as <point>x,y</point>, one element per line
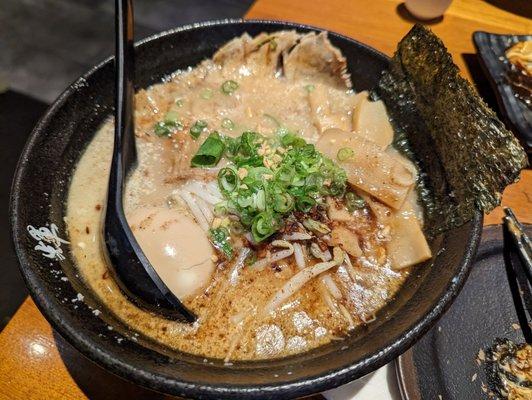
<point>465,155</point>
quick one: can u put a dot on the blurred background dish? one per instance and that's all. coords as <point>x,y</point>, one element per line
<point>442,363</point>
<point>515,108</point>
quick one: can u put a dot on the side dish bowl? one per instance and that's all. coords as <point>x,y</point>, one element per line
<point>491,49</point>
<point>38,199</point>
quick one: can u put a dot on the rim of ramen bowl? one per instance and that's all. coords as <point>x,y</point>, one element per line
<point>88,345</point>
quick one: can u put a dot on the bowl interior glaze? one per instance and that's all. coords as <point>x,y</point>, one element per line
<point>38,199</point>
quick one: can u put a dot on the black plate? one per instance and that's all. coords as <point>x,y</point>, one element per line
<point>444,362</point>
<point>38,196</point>
<point>491,49</point>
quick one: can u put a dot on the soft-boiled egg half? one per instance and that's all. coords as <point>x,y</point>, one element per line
<point>176,246</point>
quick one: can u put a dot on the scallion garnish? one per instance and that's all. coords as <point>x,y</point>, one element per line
<point>209,152</point>
<point>228,124</point>
<point>283,203</point>
<point>337,187</point>
<point>221,240</point>
<point>171,116</point>
<point>206,94</point>
<point>220,209</point>
<point>251,259</point>
<point>316,226</point>
<point>197,128</point>
<point>166,128</point>
<point>227,180</point>
<point>291,139</point>
<point>285,174</point>
<point>314,182</point>
<point>232,145</point>
<point>162,129</point>
<point>345,153</point>
<point>228,87</point>
<point>305,203</point>
<point>354,202</point>
<point>310,88</point>
<point>263,226</point>
<point>267,178</point>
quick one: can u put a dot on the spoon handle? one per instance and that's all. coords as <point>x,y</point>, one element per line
<point>124,78</point>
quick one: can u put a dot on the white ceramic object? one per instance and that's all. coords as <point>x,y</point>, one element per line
<point>379,385</point>
<point>427,9</point>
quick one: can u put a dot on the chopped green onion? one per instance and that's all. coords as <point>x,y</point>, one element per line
<point>162,129</point>
<point>314,182</point>
<point>310,88</point>
<point>206,94</point>
<point>263,226</point>
<point>221,240</point>
<point>179,102</point>
<point>285,174</point>
<point>287,139</point>
<point>337,188</point>
<point>209,152</point>
<point>316,226</point>
<point>354,202</point>
<point>283,203</point>
<point>197,128</point>
<point>171,116</point>
<point>166,128</point>
<point>255,175</point>
<point>231,145</point>
<point>248,142</point>
<point>228,180</point>
<point>345,153</point>
<point>228,124</point>
<point>268,177</point>
<point>298,142</point>
<point>251,259</point>
<point>246,150</point>
<point>245,202</point>
<point>228,87</point>
<point>246,217</point>
<point>305,203</point>
<point>291,139</point>
<point>259,200</point>
<point>220,209</point>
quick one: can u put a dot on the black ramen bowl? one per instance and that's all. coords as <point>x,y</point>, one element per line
<point>38,200</point>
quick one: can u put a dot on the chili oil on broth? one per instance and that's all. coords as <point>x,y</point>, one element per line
<point>230,309</point>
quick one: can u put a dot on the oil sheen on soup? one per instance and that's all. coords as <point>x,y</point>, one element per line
<point>268,198</point>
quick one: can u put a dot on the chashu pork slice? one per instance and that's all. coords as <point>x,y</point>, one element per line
<point>260,55</point>
<point>326,109</point>
<point>315,59</point>
<point>369,168</point>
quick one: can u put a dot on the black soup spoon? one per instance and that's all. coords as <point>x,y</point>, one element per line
<point>130,267</point>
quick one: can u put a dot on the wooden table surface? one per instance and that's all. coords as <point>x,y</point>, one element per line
<point>36,363</point>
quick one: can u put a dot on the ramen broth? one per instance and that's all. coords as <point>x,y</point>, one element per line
<point>270,274</point>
